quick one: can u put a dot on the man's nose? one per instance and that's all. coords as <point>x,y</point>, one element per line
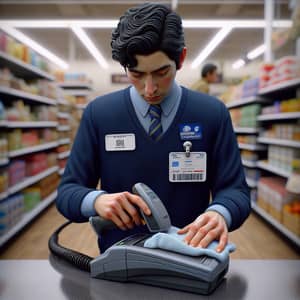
<point>150,86</point>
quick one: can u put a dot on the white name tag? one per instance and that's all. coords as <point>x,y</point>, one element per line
<point>120,142</point>
<point>187,169</point>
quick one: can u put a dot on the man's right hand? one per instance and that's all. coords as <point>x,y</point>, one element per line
<point>121,208</point>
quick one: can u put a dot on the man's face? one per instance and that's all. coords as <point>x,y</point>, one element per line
<point>153,76</point>
<point>212,77</point>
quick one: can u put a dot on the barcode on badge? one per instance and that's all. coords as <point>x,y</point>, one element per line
<point>190,177</point>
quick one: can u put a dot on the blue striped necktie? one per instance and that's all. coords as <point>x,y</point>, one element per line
<point>155,129</point>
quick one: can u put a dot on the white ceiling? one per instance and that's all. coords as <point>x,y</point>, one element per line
<point>61,41</point>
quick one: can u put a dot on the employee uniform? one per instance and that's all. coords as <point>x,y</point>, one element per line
<point>112,143</point>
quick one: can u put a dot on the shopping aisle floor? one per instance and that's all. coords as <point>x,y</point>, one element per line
<point>254,240</point>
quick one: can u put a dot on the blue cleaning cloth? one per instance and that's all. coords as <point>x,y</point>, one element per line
<point>172,241</point>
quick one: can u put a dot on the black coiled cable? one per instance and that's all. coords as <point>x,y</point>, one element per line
<point>77,259</point>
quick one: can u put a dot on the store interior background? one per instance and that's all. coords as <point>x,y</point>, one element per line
<point>66,45</point>
<point>63,42</point>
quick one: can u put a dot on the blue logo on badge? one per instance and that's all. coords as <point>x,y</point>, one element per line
<point>175,164</point>
<point>190,131</point>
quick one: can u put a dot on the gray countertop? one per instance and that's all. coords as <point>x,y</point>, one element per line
<point>54,279</point>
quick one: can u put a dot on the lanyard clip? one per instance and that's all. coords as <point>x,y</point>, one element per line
<point>187,145</point>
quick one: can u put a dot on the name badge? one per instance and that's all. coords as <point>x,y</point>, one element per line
<point>120,142</point>
<point>187,169</point>
<point>190,131</point>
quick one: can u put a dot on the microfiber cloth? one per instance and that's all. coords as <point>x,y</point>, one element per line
<point>172,241</point>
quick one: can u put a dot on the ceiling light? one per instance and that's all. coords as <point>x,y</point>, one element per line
<point>216,40</point>
<point>110,23</point>
<point>87,42</point>
<point>35,46</point>
<point>256,52</point>
<point>238,64</point>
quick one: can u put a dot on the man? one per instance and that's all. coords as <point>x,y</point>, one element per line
<point>208,75</point>
<point>137,135</point>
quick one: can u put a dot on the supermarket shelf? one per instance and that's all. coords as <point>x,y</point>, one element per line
<point>249,164</point>
<point>246,130</point>
<point>63,102</point>
<point>280,116</point>
<point>3,195</point>
<point>63,154</point>
<point>281,142</point>
<point>4,161</point>
<point>28,217</point>
<point>35,124</point>
<point>24,95</point>
<point>64,141</point>
<point>264,165</point>
<point>251,183</point>
<point>3,123</point>
<point>61,171</point>
<point>21,69</point>
<point>78,92</point>
<point>281,86</point>
<point>31,180</point>
<point>63,128</point>
<point>291,236</point>
<point>32,149</point>
<point>252,147</point>
<point>63,115</point>
<point>75,85</point>
<point>245,101</point>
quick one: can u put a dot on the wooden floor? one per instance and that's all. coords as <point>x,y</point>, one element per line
<point>254,240</point>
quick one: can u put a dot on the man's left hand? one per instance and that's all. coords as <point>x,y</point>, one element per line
<point>208,227</point>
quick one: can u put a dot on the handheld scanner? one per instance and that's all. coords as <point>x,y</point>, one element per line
<point>158,221</point>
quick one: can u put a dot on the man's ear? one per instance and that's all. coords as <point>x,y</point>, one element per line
<point>182,57</point>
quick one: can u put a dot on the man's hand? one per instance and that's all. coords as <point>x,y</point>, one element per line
<point>121,208</point>
<point>208,227</point>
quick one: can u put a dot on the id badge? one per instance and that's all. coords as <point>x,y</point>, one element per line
<point>120,142</point>
<point>187,169</point>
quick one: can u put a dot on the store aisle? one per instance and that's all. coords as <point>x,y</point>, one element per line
<point>254,240</point>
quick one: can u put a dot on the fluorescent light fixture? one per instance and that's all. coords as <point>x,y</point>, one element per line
<point>35,46</point>
<point>256,52</point>
<point>87,42</point>
<point>111,23</point>
<point>238,64</point>
<point>216,40</point>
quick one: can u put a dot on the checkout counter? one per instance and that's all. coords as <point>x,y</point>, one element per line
<point>55,279</point>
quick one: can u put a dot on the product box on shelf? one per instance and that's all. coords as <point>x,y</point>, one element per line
<point>272,196</point>
<point>291,217</point>
<point>11,212</point>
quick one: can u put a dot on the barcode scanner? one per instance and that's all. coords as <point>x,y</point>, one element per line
<point>158,221</point>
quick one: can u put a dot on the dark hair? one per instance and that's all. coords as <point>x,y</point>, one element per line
<point>208,68</point>
<point>145,29</point>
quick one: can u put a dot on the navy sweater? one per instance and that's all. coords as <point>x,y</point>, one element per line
<point>149,162</point>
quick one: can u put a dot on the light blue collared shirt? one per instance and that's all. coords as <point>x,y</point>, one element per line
<point>169,108</point>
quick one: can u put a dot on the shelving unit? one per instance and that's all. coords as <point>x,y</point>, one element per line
<point>33,149</point>
<point>80,91</point>
<point>278,92</point>
<point>8,95</point>
<point>274,89</point>
<point>27,218</point>
<point>279,116</point>
<point>287,233</point>
<point>7,91</point>
<point>245,101</point>
<point>281,142</point>
<point>22,69</point>
<point>250,166</point>
<point>265,166</point>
